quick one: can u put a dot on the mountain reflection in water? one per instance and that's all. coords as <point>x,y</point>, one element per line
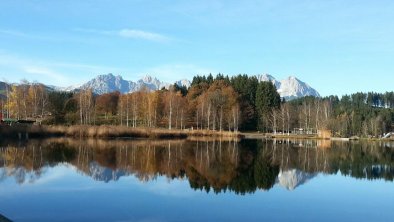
<point>241,167</point>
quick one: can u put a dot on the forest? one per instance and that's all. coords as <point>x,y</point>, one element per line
<point>237,103</point>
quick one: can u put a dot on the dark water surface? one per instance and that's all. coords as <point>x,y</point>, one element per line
<point>95,180</point>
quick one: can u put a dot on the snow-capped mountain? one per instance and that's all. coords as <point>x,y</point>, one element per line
<point>291,87</point>
<point>291,179</point>
<point>268,78</point>
<point>110,83</point>
<point>67,89</point>
<point>183,82</point>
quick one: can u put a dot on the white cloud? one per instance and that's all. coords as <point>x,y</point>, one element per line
<point>32,69</point>
<point>46,72</point>
<point>13,68</point>
<point>129,33</point>
<point>138,34</point>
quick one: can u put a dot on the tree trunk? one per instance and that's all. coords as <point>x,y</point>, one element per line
<point>182,119</point>
<point>208,114</point>
<point>80,107</point>
<point>170,116</point>
<point>221,117</point>
<point>127,110</point>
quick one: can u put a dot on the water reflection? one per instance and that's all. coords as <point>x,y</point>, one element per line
<point>218,166</point>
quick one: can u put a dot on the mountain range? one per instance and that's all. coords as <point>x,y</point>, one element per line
<point>289,88</point>
<point>109,83</point>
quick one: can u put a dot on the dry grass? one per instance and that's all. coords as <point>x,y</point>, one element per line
<point>105,131</point>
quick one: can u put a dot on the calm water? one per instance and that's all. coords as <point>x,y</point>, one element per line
<point>95,180</point>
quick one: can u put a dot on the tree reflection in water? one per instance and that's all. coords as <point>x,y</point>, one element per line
<point>242,167</point>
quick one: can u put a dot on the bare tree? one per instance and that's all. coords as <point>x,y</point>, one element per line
<point>86,106</point>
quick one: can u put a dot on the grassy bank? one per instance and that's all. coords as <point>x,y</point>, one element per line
<point>23,132</point>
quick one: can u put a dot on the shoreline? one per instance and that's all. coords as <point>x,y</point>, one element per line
<point>256,135</point>
<point>122,132</point>
<point>108,132</point>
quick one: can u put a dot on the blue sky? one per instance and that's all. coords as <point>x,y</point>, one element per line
<point>336,46</point>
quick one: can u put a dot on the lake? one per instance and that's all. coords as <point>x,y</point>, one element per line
<point>180,180</point>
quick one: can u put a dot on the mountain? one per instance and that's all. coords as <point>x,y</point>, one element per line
<point>268,78</point>
<point>67,89</point>
<point>183,82</point>
<point>110,83</point>
<point>3,88</point>
<point>290,88</point>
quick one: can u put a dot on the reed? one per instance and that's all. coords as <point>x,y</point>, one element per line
<point>107,131</point>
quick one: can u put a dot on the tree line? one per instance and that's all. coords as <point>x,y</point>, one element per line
<point>213,103</point>
<point>359,114</point>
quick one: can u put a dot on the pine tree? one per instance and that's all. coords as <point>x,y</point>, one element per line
<point>267,99</point>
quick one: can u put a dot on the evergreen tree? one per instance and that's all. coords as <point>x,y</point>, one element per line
<point>246,88</point>
<point>267,99</point>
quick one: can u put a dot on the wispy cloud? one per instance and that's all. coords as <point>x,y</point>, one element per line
<point>32,68</point>
<point>51,37</point>
<point>62,73</point>
<point>19,34</point>
<point>129,33</point>
<point>46,72</point>
<point>132,33</point>
<point>13,33</point>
